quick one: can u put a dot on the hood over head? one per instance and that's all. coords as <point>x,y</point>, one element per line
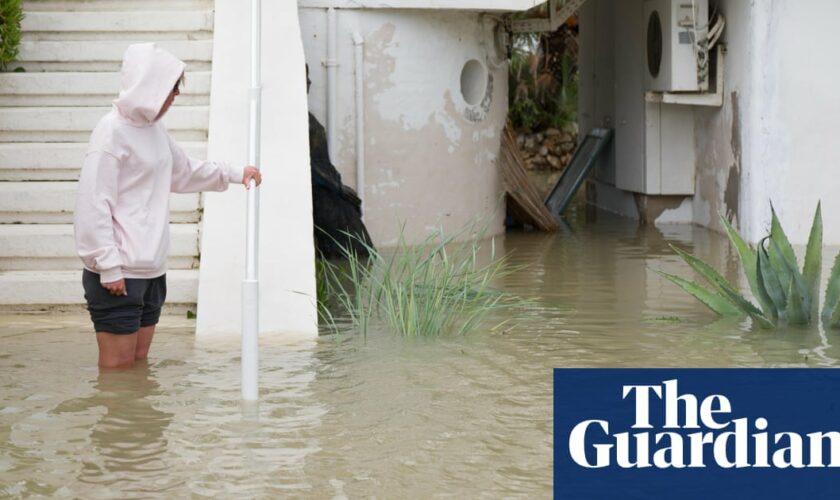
<point>148,75</point>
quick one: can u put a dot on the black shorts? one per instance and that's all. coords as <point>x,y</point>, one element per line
<point>124,314</point>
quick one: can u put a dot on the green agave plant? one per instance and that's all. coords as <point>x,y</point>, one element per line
<point>784,293</point>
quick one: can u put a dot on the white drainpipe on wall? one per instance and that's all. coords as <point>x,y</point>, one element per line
<point>359,44</point>
<point>332,73</point>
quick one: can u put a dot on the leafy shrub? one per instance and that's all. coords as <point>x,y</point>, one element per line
<point>11,14</point>
<point>542,86</point>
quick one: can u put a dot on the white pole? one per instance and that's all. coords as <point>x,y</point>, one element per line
<point>251,285</point>
<point>359,42</point>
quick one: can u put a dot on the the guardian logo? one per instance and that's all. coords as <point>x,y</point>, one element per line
<point>710,428</point>
<point>696,433</point>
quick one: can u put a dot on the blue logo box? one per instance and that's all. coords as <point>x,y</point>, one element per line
<point>696,433</point>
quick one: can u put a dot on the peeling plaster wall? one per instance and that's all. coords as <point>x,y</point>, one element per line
<point>720,145</point>
<point>774,138</point>
<point>430,157</point>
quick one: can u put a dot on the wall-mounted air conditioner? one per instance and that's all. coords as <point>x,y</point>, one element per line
<point>676,48</point>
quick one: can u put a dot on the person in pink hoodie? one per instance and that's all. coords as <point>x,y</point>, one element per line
<point>122,207</point>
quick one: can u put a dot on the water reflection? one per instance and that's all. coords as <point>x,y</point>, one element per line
<point>602,270</point>
<point>128,441</point>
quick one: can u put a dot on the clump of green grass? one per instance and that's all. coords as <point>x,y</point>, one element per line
<point>785,294</point>
<point>11,14</point>
<point>438,287</point>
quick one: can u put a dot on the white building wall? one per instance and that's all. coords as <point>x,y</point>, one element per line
<point>796,105</point>
<point>774,137</point>
<point>430,156</point>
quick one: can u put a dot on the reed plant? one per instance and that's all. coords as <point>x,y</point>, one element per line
<point>785,294</point>
<point>435,288</point>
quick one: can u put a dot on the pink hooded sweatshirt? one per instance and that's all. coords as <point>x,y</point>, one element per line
<point>122,207</point>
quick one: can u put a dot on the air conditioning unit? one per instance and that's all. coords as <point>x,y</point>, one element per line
<point>677,53</point>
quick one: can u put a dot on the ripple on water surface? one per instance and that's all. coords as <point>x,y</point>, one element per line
<point>346,415</point>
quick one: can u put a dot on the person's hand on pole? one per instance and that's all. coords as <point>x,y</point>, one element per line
<point>115,287</point>
<point>251,173</point>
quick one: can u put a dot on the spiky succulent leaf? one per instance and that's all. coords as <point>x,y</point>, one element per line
<point>832,291</point>
<point>712,300</point>
<point>834,320</point>
<point>769,280</point>
<point>723,287</point>
<point>792,280</point>
<point>796,311</point>
<point>749,263</point>
<point>813,262</point>
<point>781,239</point>
<point>778,265</point>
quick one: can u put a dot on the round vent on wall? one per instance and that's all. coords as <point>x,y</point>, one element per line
<point>473,82</point>
<point>654,44</point>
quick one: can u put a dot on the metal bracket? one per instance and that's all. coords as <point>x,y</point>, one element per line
<point>714,99</point>
<point>558,12</point>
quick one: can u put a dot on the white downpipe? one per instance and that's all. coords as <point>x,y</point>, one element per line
<point>251,285</point>
<point>359,44</point>
<point>332,79</point>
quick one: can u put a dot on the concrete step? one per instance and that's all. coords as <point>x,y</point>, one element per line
<point>56,161</point>
<point>54,202</point>
<point>52,246</point>
<point>85,89</point>
<point>118,21</point>
<point>70,124</point>
<point>55,288</point>
<point>102,55</point>
<point>115,5</point>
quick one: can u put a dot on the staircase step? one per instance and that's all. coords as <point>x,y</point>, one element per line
<point>32,288</point>
<point>54,202</point>
<point>85,89</point>
<point>115,5</point>
<point>71,52</point>
<point>118,21</point>
<point>52,246</point>
<point>56,161</point>
<point>70,124</point>
<point>102,55</point>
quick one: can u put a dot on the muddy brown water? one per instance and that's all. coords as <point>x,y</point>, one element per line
<point>349,416</point>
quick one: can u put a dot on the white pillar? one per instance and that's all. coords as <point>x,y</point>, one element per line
<point>286,251</point>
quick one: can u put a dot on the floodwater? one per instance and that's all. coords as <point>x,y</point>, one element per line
<point>353,416</point>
